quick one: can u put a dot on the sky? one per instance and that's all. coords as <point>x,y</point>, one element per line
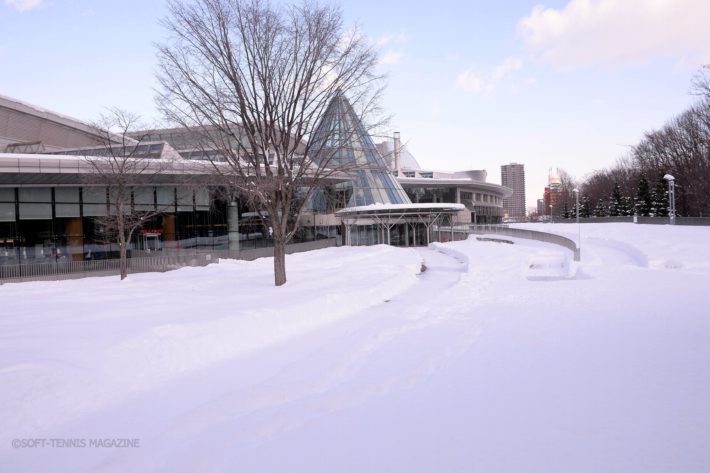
<point>568,84</point>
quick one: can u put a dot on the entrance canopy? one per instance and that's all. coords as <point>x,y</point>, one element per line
<point>400,211</point>
<point>393,217</point>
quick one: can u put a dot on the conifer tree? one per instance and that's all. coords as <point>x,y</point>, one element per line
<point>601,209</point>
<point>628,206</point>
<point>644,200</point>
<point>660,199</point>
<point>586,207</point>
<point>616,203</point>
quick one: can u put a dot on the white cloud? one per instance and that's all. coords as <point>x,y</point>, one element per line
<point>507,67</point>
<point>618,32</point>
<point>23,5</point>
<point>470,81</point>
<point>391,57</point>
<point>392,38</point>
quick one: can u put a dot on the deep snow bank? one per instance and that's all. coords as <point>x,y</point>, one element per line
<point>73,346</point>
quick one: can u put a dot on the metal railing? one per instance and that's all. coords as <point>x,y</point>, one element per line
<point>156,262</point>
<point>528,235</point>
<point>639,220</point>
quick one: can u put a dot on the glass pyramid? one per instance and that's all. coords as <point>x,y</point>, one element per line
<point>341,139</point>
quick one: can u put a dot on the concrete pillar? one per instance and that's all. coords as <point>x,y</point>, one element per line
<point>406,234</point>
<point>233,226</point>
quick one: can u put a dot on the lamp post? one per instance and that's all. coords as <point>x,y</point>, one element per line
<point>579,227</point>
<point>671,197</point>
<point>551,221</point>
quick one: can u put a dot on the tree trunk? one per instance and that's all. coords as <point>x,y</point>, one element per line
<point>279,262</point>
<point>123,259</point>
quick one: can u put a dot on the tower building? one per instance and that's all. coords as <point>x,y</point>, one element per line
<point>513,177</point>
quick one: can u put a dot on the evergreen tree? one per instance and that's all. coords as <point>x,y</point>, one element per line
<point>659,206</point>
<point>616,202</point>
<point>565,211</point>
<point>644,199</point>
<point>628,206</point>
<point>600,210</point>
<point>586,208</point>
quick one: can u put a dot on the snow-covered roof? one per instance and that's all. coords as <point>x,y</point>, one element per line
<point>38,111</point>
<point>439,205</point>
<point>399,209</point>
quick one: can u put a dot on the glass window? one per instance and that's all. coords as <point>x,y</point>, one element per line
<point>66,194</point>
<point>202,199</point>
<point>143,198</point>
<point>94,201</point>
<point>35,194</point>
<point>7,194</point>
<point>36,211</point>
<point>66,210</point>
<point>94,210</point>
<point>166,196</point>
<point>7,212</point>
<point>184,198</point>
<point>94,195</point>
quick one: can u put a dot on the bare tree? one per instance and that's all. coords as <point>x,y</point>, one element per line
<point>255,79</point>
<point>700,84</point>
<point>122,169</point>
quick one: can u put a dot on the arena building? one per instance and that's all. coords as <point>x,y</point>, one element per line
<point>49,211</point>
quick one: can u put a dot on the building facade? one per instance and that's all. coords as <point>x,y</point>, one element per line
<point>483,201</point>
<point>512,176</point>
<point>540,207</point>
<point>50,212</point>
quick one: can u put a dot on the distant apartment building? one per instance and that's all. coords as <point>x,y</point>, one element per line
<point>513,177</point>
<point>553,196</point>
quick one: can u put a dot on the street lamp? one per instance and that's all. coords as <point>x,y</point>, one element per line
<point>579,227</point>
<point>551,221</point>
<point>671,196</point>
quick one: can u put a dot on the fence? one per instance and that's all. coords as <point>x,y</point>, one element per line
<point>640,220</point>
<point>528,235</point>
<point>156,262</point>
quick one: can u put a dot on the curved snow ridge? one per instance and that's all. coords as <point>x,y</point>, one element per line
<point>169,349</point>
<point>616,252</point>
<point>449,251</point>
<point>549,265</point>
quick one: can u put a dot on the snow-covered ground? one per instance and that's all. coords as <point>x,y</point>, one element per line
<point>362,363</point>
